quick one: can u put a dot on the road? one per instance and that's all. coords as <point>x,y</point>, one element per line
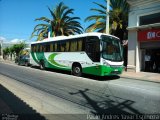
<point>86,95</point>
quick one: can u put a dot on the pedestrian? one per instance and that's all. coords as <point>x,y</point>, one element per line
<point>152,62</point>
<point>157,62</point>
<point>147,62</point>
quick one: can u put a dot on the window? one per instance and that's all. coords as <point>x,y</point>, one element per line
<point>149,19</point>
<point>51,47</point>
<point>41,48</point>
<point>93,48</point>
<point>62,47</point>
<point>111,49</point>
<point>47,47</point>
<point>81,44</point>
<point>55,46</point>
<point>67,46</point>
<point>37,48</point>
<point>71,45</point>
<point>32,48</point>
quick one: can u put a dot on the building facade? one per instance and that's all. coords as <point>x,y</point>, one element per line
<point>144,36</point>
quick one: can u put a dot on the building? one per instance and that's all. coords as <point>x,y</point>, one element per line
<point>144,35</point>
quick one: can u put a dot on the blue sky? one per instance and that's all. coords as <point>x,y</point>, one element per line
<point>17,16</point>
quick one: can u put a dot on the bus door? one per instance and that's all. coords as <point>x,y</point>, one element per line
<point>93,48</point>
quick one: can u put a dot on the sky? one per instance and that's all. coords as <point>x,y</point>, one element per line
<point>17,16</point>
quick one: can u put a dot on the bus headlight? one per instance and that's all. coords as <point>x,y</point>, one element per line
<point>105,63</point>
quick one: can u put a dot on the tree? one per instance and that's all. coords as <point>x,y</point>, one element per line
<point>11,51</point>
<point>118,18</point>
<point>6,52</point>
<point>18,47</point>
<point>60,24</point>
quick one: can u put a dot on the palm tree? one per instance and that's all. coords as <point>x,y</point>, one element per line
<point>118,18</point>
<point>60,24</point>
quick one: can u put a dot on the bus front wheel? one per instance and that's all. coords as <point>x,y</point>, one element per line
<point>77,70</point>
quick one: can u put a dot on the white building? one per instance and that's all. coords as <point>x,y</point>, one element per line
<point>143,33</point>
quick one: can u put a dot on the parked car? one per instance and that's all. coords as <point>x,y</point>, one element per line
<point>23,60</point>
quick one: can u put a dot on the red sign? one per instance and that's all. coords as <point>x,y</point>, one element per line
<point>149,35</point>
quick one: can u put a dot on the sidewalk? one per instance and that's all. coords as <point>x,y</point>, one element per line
<point>7,61</point>
<point>146,76</point>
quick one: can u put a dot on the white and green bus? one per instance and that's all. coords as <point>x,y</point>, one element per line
<point>91,53</point>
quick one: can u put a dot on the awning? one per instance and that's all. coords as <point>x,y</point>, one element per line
<point>142,27</point>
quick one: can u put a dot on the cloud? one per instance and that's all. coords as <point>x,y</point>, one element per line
<point>16,40</point>
<point>2,38</point>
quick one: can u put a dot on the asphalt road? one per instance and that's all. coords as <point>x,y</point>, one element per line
<point>98,96</point>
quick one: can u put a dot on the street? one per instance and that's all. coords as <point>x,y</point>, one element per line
<point>85,95</point>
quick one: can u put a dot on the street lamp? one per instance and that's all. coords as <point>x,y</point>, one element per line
<point>107,17</point>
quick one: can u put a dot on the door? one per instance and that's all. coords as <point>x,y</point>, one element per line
<point>93,48</point>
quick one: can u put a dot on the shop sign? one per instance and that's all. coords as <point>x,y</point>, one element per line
<point>149,35</point>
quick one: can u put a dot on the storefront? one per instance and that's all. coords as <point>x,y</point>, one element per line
<point>149,42</point>
<point>144,36</point>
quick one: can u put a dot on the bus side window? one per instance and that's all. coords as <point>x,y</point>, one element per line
<point>40,48</point>
<point>67,46</point>
<point>55,46</point>
<point>32,48</point>
<point>44,48</point>
<point>73,45</point>
<point>47,47</point>
<point>80,44</point>
<point>62,47</point>
<point>58,47</point>
<point>51,47</point>
<point>37,48</point>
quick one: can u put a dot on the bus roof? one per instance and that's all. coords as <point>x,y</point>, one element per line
<point>59,38</point>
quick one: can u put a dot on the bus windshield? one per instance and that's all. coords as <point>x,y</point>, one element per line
<point>111,48</point>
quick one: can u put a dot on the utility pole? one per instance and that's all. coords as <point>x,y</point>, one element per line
<point>50,30</point>
<point>107,17</point>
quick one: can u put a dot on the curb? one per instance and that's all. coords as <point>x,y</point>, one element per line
<point>147,80</point>
<point>135,78</point>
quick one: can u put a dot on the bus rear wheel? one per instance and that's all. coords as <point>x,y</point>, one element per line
<point>77,70</point>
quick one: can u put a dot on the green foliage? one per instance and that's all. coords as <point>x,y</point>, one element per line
<point>118,16</point>
<point>16,48</point>
<point>61,23</point>
<point>11,50</point>
<point>6,51</point>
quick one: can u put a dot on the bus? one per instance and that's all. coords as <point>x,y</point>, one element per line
<point>90,53</point>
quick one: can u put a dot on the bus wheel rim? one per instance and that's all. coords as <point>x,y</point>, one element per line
<point>77,70</point>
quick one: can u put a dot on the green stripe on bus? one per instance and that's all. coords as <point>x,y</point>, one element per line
<point>101,70</point>
<point>34,58</point>
<point>51,59</point>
